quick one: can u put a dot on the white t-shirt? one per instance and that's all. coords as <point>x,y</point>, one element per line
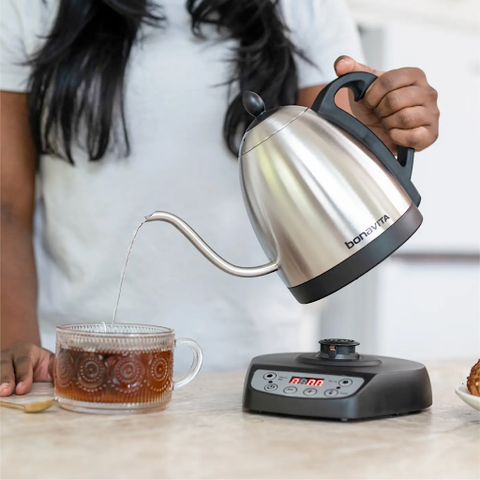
<point>86,214</point>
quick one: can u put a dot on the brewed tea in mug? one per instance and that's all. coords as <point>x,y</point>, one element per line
<point>118,368</point>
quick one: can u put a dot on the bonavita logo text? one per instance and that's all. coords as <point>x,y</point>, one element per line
<point>381,221</point>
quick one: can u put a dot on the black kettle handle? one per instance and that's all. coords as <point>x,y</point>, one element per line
<point>359,83</point>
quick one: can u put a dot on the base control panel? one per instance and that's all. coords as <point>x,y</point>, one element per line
<point>305,385</point>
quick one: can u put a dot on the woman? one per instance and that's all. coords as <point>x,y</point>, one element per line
<point>127,107</point>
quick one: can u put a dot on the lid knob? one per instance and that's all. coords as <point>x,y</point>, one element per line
<point>253,103</point>
<point>338,349</point>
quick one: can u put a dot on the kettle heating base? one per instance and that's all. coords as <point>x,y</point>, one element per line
<point>335,385</point>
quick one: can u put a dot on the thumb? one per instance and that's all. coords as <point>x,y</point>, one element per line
<point>346,64</point>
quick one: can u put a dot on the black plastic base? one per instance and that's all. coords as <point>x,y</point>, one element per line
<point>393,387</point>
<point>362,261</point>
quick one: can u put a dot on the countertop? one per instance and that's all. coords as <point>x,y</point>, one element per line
<point>204,433</point>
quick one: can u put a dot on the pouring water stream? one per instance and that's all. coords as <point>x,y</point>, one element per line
<point>135,233</point>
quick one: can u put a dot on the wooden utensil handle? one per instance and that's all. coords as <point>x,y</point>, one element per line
<point>12,405</point>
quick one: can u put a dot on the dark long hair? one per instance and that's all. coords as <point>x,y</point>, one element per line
<point>78,76</point>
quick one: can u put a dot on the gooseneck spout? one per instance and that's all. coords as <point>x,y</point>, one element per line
<point>207,252</point>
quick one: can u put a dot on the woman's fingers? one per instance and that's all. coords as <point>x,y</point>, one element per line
<point>415,127</point>
<point>43,365</point>
<point>400,105</point>
<point>346,64</point>
<point>418,138</point>
<point>17,369</point>
<point>391,81</point>
<point>406,106</point>
<point>400,99</point>
<point>407,118</point>
<point>23,365</point>
<point>7,375</point>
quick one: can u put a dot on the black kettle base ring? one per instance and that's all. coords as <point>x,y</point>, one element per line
<point>362,261</point>
<point>363,361</point>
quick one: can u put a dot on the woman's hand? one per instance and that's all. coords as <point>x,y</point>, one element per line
<point>21,365</point>
<point>400,107</point>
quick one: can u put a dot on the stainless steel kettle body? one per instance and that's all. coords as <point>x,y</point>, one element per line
<point>326,198</point>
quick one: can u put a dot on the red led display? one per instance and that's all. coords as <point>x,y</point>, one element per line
<point>311,382</point>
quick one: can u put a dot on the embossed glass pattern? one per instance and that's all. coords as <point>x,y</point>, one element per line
<point>118,368</point>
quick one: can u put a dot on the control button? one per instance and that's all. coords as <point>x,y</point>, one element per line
<point>270,376</point>
<point>331,393</point>
<point>289,390</point>
<point>270,387</point>
<point>345,382</point>
<point>310,391</point>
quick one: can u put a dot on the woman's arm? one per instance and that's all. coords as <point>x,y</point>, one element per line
<point>22,359</point>
<point>18,275</point>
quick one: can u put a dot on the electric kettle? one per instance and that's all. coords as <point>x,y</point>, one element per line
<point>327,199</point>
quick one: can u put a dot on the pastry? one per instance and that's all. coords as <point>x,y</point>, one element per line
<point>473,380</point>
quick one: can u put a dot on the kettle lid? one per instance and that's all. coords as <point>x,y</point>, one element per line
<point>255,106</point>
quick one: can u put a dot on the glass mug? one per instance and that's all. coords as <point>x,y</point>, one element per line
<point>121,368</point>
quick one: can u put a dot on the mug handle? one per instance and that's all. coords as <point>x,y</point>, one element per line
<point>196,362</point>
